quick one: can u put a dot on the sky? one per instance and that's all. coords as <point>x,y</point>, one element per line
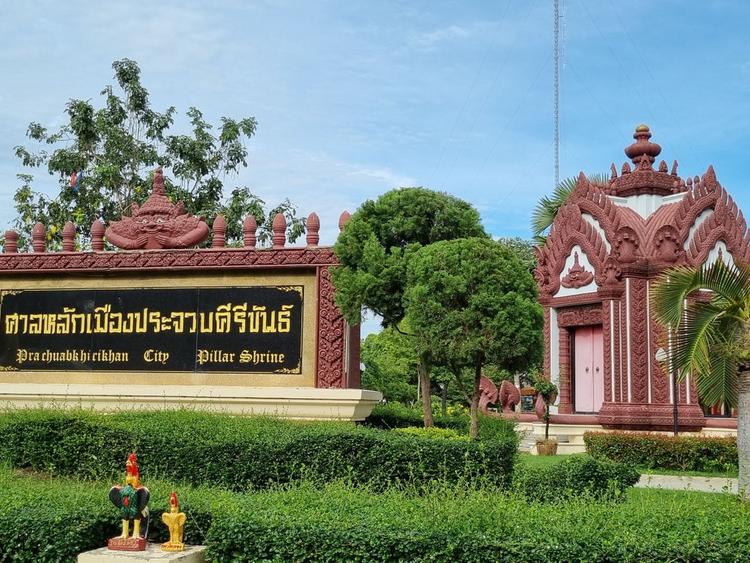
<point>356,97</point>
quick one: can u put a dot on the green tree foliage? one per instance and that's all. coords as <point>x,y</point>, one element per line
<point>522,248</point>
<point>376,246</point>
<point>473,302</point>
<point>390,359</point>
<point>711,339</point>
<point>118,144</point>
<point>378,240</point>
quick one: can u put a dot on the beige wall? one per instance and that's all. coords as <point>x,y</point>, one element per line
<point>306,278</point>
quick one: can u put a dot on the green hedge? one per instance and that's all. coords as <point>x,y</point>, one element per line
<point>340,524</point>
<point>243,452</point>
<point>575,476</point>
<point>396,415</point>
<point>657,451</point>
<point>44,519</point>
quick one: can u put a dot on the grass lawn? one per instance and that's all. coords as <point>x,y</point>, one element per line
<point>545,461</point>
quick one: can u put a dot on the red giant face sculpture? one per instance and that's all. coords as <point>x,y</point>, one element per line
<point>159,223</point>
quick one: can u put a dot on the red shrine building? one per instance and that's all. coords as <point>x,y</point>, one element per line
<point>595,274</point>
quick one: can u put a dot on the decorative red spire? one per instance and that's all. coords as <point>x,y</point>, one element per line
<point>279,230</point>
<point>69,237</point>
<point>11,242</point>
<point>158,185</point>
<point>249,227</point>
<point>313,229</point>
<point>173,502</point>
<point>97,235</point>
<point>643,152</point>
<point>344,219</point>
<point>220,232</point>
<point>38,238</point>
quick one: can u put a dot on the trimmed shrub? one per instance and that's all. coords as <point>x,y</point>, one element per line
<point>244,452</point>
<point>433,432</point>
<point>46,520</point>
<point>395,415</point>
<point>341,524</point>
<point>575,476</point>
<point>657,451</point>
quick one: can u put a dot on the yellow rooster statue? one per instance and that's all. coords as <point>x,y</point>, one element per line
<point>175,521</point>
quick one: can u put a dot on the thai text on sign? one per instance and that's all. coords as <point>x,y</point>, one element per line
<point>251,329</point>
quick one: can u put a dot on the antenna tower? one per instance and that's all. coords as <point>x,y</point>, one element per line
<point>556,109</point>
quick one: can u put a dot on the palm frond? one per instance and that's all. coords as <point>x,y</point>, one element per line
<point>548,206</point>
<point>708,335</point>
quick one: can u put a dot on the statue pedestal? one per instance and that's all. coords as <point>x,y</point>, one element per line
<point>153,552</point>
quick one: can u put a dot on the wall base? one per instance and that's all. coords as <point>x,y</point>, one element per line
<point>634,416</point>
<point>287,402</point>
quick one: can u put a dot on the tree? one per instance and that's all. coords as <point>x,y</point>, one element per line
<point>103,159</point>
<point>390,359</point>
<point>711,339</point>
<point>546,209</point>
<point>376,245</point>
<point>473,302</point>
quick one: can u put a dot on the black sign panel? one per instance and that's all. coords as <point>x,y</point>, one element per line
<point>234,329</point>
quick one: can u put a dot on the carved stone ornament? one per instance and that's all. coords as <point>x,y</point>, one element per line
<point>158,223</point>
<point>577,275</point>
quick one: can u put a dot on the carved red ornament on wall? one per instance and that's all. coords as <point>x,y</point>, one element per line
<point>577,275</point>
<point>584,315</point>
<point>158,223</point>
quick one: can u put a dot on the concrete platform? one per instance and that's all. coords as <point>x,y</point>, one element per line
<point>192,554</point>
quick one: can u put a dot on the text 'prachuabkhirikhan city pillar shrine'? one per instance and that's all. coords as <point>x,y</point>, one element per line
<point>595,274</point>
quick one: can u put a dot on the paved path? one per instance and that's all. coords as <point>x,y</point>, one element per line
<point>679,482</point>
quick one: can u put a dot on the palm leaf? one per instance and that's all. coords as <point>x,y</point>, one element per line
<point>548,207</point>
<point>708,336</point>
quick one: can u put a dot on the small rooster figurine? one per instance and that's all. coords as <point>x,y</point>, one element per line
<point>175,521</point>
<point>132,500</point>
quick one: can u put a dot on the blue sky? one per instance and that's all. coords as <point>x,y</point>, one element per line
<point>356,97</point>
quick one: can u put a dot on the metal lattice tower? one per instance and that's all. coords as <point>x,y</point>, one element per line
<point>556,110</point>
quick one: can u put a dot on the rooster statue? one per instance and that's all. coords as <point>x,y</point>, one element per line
<point>175,521</point>
<point>132,500</point>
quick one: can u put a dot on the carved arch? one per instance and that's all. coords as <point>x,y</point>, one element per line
<point>725,223</point>
<point>569,229</point>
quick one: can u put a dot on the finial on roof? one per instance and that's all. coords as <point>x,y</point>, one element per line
<point>643,152</point>
<point>158,181</point>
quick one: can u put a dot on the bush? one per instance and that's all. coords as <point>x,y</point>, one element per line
<point>575,476</point>
<point>45,519</point>
<point>396,415</point>
<point>243,452</point>
<point>340,524</point>
<point>433,432</point>
<point>657,451</point>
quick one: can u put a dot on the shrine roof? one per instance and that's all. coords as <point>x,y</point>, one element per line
<point>642,178</point>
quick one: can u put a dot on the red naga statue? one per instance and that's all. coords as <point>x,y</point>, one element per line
<point>158,223</point>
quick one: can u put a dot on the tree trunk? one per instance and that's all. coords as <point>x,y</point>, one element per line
<point>743,434</point>
<point>424,385</point>
<point>474,428</point>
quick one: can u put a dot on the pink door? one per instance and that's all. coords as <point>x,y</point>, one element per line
<point>588,369</point>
